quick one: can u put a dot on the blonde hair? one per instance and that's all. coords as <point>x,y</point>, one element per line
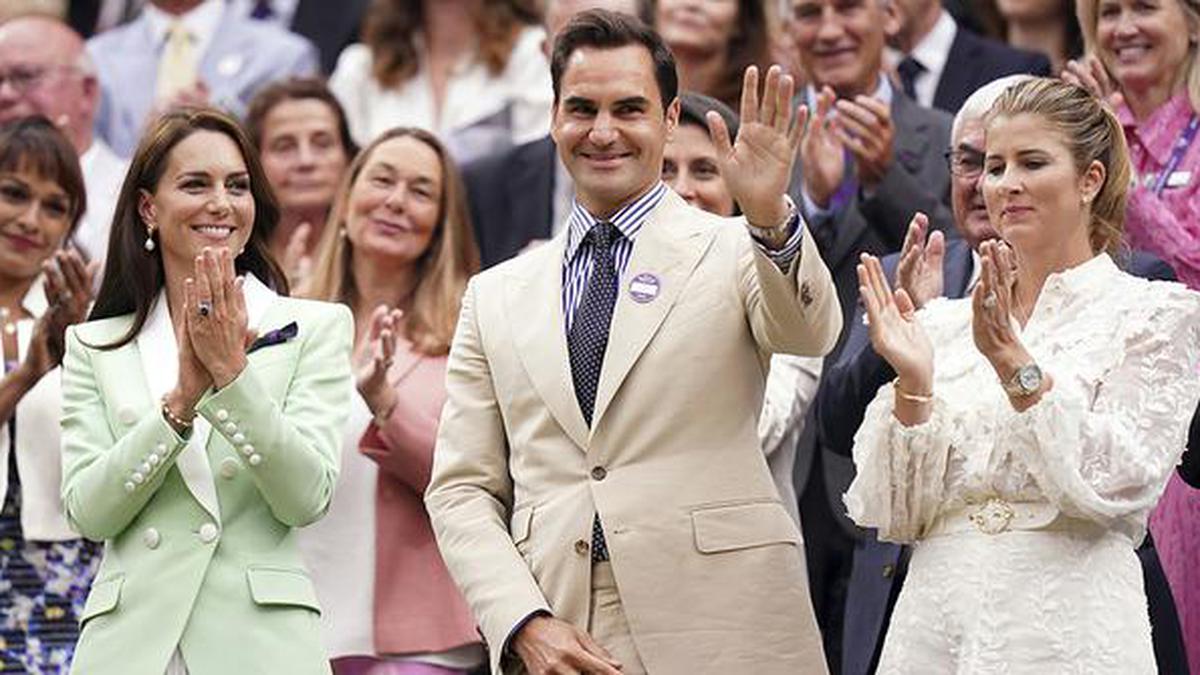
<point>1087,11</point>
<point>1092,134</point>
<point>442,271</point>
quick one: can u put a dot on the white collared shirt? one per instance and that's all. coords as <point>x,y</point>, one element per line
<point>200,21</point>
<point>103,172</point>
<point>933,52</point>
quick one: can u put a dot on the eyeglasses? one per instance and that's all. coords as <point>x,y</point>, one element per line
<point>965,162</point>
<point>25,76</point>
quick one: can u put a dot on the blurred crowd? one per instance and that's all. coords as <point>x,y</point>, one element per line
<point>439,113</point>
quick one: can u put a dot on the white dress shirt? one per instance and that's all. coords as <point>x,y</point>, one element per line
<point>790,389</point>
<point>103,173</point>
<point>200,21</point>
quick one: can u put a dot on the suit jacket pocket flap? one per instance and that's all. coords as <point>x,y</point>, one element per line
<point>103,598</point>
<point>729,528</point>
<point>282,586</point>
<point>519,528</point>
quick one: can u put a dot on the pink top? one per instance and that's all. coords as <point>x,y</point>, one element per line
<point>418,609</point>
<point>1167,225</point>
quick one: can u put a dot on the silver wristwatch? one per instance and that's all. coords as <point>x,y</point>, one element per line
<point>1025,382</point>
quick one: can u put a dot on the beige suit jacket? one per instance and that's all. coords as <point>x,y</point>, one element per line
<point>708,563</point>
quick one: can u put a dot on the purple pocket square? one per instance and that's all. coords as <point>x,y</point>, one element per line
<point>275,337</point>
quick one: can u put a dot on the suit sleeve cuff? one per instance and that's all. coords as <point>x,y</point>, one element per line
<point>784,256</point>
<point>507,649</point>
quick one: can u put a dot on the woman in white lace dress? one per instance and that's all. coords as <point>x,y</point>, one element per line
<point>1031,427</point>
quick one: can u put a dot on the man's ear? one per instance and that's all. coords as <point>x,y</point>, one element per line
<point>892,19</point>
<point>672,116</point>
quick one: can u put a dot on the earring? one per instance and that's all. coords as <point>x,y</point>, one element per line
<point>149,245</point>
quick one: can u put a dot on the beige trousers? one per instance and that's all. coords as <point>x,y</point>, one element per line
<point>606,621</point>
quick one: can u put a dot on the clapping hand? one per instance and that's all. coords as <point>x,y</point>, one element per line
<point>758,167</point>
<point>919,272</point>
<point>215,315</point>
<point>992,304</point>
<point>297,262</point>
<point>376,360</point>
<point>864,126</point>
<point>68,287</point>
<point>822,154</point>
<point>895,333</point>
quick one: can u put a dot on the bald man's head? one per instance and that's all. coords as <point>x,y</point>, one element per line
<point>44,70</point>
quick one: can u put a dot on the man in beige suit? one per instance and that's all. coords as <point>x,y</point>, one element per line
<point>598,490</point>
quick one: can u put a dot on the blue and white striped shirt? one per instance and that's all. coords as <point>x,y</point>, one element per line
<point>629,219</point>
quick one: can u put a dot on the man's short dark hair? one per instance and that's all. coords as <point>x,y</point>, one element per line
<point>610,30</point>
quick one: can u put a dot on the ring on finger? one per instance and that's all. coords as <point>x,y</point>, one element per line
<point>989,301</point>
<point>204,307</point>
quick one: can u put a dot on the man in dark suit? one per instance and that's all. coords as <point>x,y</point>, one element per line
<point>871,157</point>
<point>949,267</point>
<point>944,63</point>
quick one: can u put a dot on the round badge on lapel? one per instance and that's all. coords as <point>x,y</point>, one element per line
<point>229,65</point>
<point>644,287</point>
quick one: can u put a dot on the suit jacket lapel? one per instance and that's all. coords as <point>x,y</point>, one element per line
<point>669,246</point>
<point>159,353</point>
<point>955,75</point>
<point>534,305</point>
<point>957,268</point>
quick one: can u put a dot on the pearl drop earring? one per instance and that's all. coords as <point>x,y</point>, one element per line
<point>149,245</point>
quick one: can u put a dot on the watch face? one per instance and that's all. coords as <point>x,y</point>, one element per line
<point>1029,378</point>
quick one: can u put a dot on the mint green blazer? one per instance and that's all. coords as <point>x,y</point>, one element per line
<point>200,552</point>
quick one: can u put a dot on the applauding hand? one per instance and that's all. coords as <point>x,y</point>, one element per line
<point>920,270</point>
<point>371,371</point>
<point>68,288</point>
<point>758,167</point>
<point>895,333</point>
<point>1089,73</point>
<point>215,312</point>
<point>822,154</point>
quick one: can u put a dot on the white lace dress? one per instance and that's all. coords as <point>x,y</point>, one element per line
<point>1024,524</point>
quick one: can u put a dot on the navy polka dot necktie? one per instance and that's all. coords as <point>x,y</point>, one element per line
<point>588,338</point>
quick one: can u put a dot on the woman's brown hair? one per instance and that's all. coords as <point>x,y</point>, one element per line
<point>391,26</point>
<point>1092,133</point>
<point>133,276</point>
<point>295,89</point>
<point>35,144</point>
<point>442,271</point>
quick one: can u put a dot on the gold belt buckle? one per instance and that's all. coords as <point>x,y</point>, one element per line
<point>994,516</point>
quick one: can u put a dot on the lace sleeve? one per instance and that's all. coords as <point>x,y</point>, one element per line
<point>1102,442</point>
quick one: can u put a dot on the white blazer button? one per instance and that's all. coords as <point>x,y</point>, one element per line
<point>255,460</point>
<point>161,448</point>
<point>130,487</point>
<point>208,533</point>
<point>127,415</point>
<point>153,459</point>
<point>222,415</point>
<point>138,477</point>
<point>230,427</point>
<point>145,467</point>
<point>239,438</point>
<point>247,450</point>
<point>151,538</point>
<point>229,468</point>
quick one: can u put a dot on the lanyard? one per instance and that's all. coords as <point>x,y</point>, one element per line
<point>1181,147</point>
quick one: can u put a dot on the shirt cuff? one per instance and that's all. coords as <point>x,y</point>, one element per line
<point>784,256</point>
<point>814,212</point>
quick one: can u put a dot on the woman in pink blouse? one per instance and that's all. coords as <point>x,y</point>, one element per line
<point>1150,52</point>
<point>399,252</point>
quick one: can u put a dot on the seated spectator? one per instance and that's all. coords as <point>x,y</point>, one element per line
<point>50,74</point>
<point>47,568</point>
<point>713,42</point>
<point>691,168</point>
<point>194,52</point>
<point>944,62</point>
<point>473,73</point>
<point>523,194</point>
<point>1045,26</point>
<point>1148,68</point>
<point>304,143</point>
<point>398,251</point>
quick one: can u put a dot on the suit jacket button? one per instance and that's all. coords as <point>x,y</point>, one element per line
<point>582,547</point>
<point>254,459</point>
<point>151,538</point>
<point>889,570</point>
<point>598,473</point>
<point>222,415</point>
<point>230,427</point>
<point>229,468</point>
<point>208,533</point>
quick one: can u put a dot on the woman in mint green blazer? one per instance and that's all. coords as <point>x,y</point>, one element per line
<point>201,420</point>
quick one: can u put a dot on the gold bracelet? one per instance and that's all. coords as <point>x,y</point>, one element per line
<point>178,423</point>
<point>909,396</point>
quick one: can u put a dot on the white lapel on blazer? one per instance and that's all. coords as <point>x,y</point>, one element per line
<point>159,352</point>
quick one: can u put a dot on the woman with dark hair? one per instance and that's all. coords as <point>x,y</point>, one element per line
<point>44,288</point>
<point>304,143</point>
<point>398,251</point>
<point>714,41</point>
<point>1046,26</point>
<point>1032,427</point>
<point>471,71</point>
<point>200,418</point>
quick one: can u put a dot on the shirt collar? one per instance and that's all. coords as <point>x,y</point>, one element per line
<point>883,92</point>
<point>933,50</point>
<point>628,219</point>
<point>201,21</point>
<point>1158,132</point>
